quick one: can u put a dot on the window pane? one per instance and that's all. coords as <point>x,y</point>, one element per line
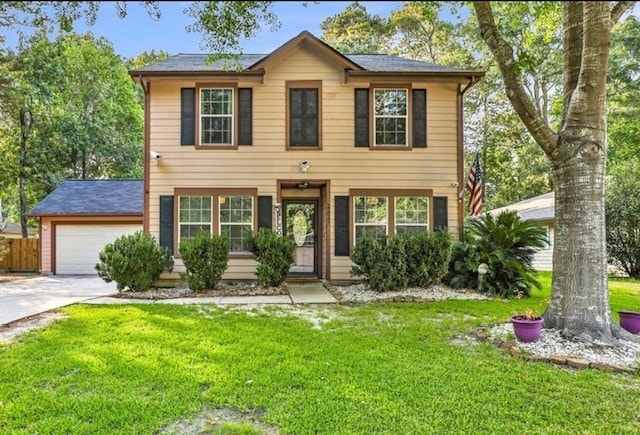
<point>410,229</point>
<point>295,102</point>
<point>390,111</point>
<point>412,210</point>
<point>370,209</point>
<point>216,116</point>
<point>375,231</point>
<point>236,220</point>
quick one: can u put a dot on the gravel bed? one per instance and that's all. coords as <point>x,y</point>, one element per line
<point>228,288</point>
<point>360,293</point>
<point>552,343</point>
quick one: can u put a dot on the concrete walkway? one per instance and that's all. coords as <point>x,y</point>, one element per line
<point>313,293</point>
<point>30,296</point>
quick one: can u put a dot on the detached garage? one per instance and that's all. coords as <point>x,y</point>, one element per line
<point>80,217</point>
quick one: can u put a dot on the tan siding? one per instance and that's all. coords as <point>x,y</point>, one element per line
<point>339,161</point>
<point>45,246</point>
<point>543,259</point>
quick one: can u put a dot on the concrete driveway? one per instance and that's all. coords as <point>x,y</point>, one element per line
<point>27,297</point>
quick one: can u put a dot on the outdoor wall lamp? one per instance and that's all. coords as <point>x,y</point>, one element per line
<point>304,165</point>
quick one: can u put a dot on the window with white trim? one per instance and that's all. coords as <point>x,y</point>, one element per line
<point>370,216</point>
<point>411,214</point>
<point>216,116</point>
<point>390,108</point>
<point>194,216</point>
<point>236,220</point>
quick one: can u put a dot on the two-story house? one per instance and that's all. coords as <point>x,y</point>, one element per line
<point>310,142</point>
<point>305,140</point>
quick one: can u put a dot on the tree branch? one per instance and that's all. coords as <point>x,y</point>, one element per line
<point>524,107</point>
<point>573,34</point>
<point>618,10</point>
<point>588,100</point>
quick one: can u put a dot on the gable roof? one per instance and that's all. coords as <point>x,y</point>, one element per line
<point>253,64</point>
<point>92,197</point>
<point>538,208</point>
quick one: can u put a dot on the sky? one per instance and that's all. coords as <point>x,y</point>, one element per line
<point>138,32</point>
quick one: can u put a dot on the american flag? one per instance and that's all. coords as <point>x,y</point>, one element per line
<point>474,186</point>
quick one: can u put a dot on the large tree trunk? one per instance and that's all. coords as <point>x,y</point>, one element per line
<point>580,300</point>
<point>25,131</point>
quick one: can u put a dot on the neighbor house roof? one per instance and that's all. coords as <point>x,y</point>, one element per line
<point>192,64</point>
<point>11,228</point>
<point>538,208</point>
<point>92,197</point>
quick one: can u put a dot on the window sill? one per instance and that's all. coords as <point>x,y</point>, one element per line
<point>304,148</point>
<point>216,147</point>
<point>391,147</point>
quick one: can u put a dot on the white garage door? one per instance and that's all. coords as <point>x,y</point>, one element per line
<point>78,246</point>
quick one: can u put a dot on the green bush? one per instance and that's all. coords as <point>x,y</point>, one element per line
<point>622,212</point>
<point>134,262</point>
<point>205,257</point>
<point>274,254</point>
<point>427,256</point>
<point>381,262</point>
<point>506,245</point>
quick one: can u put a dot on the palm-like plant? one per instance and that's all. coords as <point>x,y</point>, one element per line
<point>506,244</point>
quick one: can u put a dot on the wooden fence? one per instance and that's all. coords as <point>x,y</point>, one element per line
<point>20,255</point>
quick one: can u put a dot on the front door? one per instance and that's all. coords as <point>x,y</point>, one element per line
<point>300,223</point>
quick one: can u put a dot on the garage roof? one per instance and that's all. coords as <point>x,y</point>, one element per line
<point>92,197</point>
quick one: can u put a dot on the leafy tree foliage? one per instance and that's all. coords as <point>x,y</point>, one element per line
<point>85,121</point>
<point>355,31</point>
<point>623,217</point>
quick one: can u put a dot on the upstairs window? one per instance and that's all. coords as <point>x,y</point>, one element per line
<point>304,114</point>
<point>216,116</point>
<point>390,108</point>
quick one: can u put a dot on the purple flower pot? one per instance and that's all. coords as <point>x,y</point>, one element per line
<point>526,330</point>
<point>630,320</point>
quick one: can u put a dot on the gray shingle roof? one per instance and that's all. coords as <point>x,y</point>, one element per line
<point>197,62</point>
<point>93,197</point>
<point>12,228</point>
<point>370,62</point>
<point>538,208</point>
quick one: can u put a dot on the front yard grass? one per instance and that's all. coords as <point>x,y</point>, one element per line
<point>381,368</point>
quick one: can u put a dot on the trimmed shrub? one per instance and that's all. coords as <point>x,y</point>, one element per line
<point>506,245</point>
<point>274,254</point>
<point>134,262</point>
<point>381,262</point>
<point>205,257</point>
<point>427,256</point>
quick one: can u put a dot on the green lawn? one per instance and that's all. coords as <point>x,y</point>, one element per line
<point>384,368</point>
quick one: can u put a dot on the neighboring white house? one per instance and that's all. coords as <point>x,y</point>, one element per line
<point>541,209</point>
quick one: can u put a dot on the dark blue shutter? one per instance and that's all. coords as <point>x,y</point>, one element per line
<point>264,212</point>
<point>245,116</point>
<point>419,118</point>
<point>342,226</point>
<point>187,116</point>
<point>166,221</point>
<point>362,117</point>
<point>440,215</point>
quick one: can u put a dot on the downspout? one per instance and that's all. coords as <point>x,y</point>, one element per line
<point>460,134</point>
<point>147,146</point>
